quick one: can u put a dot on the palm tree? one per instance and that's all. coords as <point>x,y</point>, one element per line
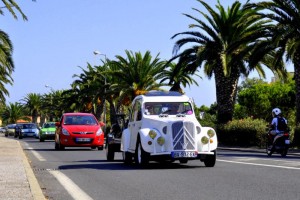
<point>223,48</point>
<point>12,113</point>
<point>10,5</point>
<point>6,49</point>
<point>177,77</point>
<point>136,74</point>
<point>6,64</point>
<point>90,88</point>
<point>32,102</point>
<point>286,37</point>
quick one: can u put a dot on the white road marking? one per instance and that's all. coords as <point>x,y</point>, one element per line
<point>70,186</point>
<point>256,164</point>
<point>36,154</point>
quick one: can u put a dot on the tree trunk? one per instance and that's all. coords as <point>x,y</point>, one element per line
<point>226,90</point>
<point>296,61</point>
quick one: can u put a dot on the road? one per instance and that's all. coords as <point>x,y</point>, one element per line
<point>82,173</point>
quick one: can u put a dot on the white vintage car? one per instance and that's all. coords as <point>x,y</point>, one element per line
<point>163,127</point>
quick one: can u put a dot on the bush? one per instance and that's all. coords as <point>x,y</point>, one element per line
<point>243,132</point>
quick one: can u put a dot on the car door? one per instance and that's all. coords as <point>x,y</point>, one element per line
<point>135,123</point>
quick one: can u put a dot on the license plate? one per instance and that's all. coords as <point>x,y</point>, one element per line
<point>287,141</point>
<point>83,139</point>
<point>184,154</point>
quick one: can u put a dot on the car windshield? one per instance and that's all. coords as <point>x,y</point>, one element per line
<point>28,126</point>
<point>49,125</point>
<point>80,120</point>
<point>170,108</point>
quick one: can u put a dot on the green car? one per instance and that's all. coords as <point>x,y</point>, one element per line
<point>47,131</point>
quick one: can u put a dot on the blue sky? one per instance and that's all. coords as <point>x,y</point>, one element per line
<point>61,35</point>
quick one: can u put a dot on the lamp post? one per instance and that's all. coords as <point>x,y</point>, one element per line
<point>104,105</point>
<point>48,86</point>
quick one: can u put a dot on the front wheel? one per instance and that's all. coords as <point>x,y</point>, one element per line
<point>141,157</point>
<point>210,160</point>
<point>127,158</point>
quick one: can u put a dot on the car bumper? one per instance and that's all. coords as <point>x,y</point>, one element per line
<point>47,136</point>
<point>69,141</point>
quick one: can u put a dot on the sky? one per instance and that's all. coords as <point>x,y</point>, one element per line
<point>60,36</point>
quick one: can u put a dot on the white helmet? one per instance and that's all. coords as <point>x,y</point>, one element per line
<point>276,111</point>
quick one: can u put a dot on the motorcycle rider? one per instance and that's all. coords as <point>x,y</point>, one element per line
<point>278,126</point>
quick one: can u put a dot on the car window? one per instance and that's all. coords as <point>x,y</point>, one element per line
<point>27,126</point>
<point>171,108</point>
<point>80,120</point>
<point>49,125</point>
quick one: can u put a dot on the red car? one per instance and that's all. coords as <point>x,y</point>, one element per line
<point>78,130</point>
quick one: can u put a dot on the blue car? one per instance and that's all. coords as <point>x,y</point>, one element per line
<point>26,130</point>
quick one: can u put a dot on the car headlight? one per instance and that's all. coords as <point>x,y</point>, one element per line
<point>99,132</point>
<point>152,134</point>
<point>204,140</point>
<point>211,133</point>
<point>65,132</point>
<point>160,141</point>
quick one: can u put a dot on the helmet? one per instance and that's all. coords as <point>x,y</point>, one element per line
<point>276,111</point>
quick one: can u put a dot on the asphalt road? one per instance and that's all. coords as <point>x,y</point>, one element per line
<point>82,173</point>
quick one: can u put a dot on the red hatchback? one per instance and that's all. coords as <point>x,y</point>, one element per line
<point>78,130</point>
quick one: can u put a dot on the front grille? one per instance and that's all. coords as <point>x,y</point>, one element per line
<point>183,136</point>
<point>83,133</point>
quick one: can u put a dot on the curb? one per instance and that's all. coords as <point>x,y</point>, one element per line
<point>35,188</point>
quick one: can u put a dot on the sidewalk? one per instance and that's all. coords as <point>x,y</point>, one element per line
<point>17,180</point>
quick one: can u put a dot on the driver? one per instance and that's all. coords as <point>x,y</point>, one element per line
<point>278,126</point>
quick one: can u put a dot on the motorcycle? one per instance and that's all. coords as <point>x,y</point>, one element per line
<point>281,145</point>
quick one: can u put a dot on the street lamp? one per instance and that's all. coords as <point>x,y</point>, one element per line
<point>48,86</point>
<point>104,105</point>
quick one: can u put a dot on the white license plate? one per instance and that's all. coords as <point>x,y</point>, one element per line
<point>287,141</point>
<point>83,139</point>
<point>184,154</point>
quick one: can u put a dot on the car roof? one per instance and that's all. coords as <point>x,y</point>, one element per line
<point>77,113</point>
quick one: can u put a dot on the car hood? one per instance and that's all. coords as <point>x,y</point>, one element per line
<point>48,129</point>
<point>82,128</point>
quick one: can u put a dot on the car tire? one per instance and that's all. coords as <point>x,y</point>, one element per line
<point>110,154</point>
<point>100,148</point>
<point>210,160</point>
<point>284,152</point>
<point>141,157</point>
<point>42,139</point>
<point>127,158</point>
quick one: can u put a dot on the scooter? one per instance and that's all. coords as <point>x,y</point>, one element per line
<point>281,145</point>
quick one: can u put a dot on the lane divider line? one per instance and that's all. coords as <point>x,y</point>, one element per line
<point>256,164</point>
<point>75,191</point>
